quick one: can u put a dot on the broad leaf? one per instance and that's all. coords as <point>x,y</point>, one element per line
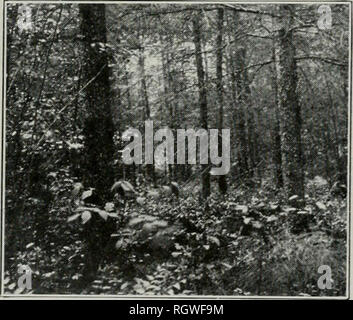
<point>109,206</point>
<point>214,240</point>
<point>73,217</point>
<point>86,194</point>
<point>103,214</point>
<point>86,215</point>
<point>320,205</point>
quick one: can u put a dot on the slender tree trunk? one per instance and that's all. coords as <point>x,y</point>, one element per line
<point>240,125</point>
<point>205,172</point>
<point>168,85</point>
<point>276,136</point>
<point>145,102</point>
<point>292,156</point>
<point>222,182</point>
<point>250,116</point>
<point>126,77</point>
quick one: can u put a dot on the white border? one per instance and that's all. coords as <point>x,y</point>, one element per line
<point>349,266</point>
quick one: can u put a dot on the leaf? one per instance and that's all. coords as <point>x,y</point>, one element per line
<point>142,218</point>
<point>257,224</point>
<point>228,266</point>
<point>124,185</point>
<point>26,136</point>
<point>176,286</point>
<point>119,244</point>
<point>247,220</point>
<point>319,181</point>
<point>74,145</point>
<point>109,206</point>
<point>214,240</point>
<point>244,209</point>
<point>86,215</point>
<point>73,217</point>
<point>176,254</point>
<point>320,205</point>
<point>160,224</point>
<point>206,247</point>
<point>30,245</point>
<point>12,286</point>
<point>289,209</point>
<point>19,290</point>
<point>103,214</point>
<point>124,285</point>
<point>106,287</point>
<point>86,194</point>
<point>140,290</point>
<point>52,174</point>
<point>113,214</point>
<point>48,274</point>
<point>140,200</point>
<point>175,185</point>
<point>271,218</point>
<point>295,197</point>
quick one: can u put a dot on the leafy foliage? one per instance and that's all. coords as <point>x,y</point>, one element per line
<point>148,233</point>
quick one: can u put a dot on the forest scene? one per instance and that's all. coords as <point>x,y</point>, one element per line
<point>103,198</point>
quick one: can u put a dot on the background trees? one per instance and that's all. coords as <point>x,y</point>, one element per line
<point>80,75</point>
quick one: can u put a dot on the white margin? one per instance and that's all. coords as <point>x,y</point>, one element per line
<point>349,243</point>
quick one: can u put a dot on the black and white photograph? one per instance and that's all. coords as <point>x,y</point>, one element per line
<point>176,149</point>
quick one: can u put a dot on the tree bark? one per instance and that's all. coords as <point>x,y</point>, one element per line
<point>145,104</point>
<point>276,134</point>
<point>98,130</point>
<point>291,121</point>
<point>239,99</point>
<point>205,171</point>
<point>222,182</point>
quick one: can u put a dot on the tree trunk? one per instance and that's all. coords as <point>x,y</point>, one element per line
<point>98,130</point>
<point>238,92</point>
<point>167,84</point>
<point>145,104</point>
<point>222,182</point>
<point>292,156</point>
<point>205,171</point>
<point>276,134</point>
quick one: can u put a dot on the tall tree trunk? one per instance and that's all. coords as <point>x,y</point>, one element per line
<point>205,171</point>
<point>250,119</point>
<point>168,86</point>
<point>222,182</point>
<point>239,100</point>
<point>276,134</point>
<point>145,104</point>
<point>292,156</point>
<point>98,130</point>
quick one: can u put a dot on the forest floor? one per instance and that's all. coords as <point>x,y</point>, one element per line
<point>241,244</point>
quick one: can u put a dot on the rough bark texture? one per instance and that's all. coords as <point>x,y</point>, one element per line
<point>145,105</point>
<point>289,107</point>
<point>205,175</point>
<point>98,126</point>
<point>276,133</point>
<point>239,99</point>
<point>98,130</point>
<point>222,182</point>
